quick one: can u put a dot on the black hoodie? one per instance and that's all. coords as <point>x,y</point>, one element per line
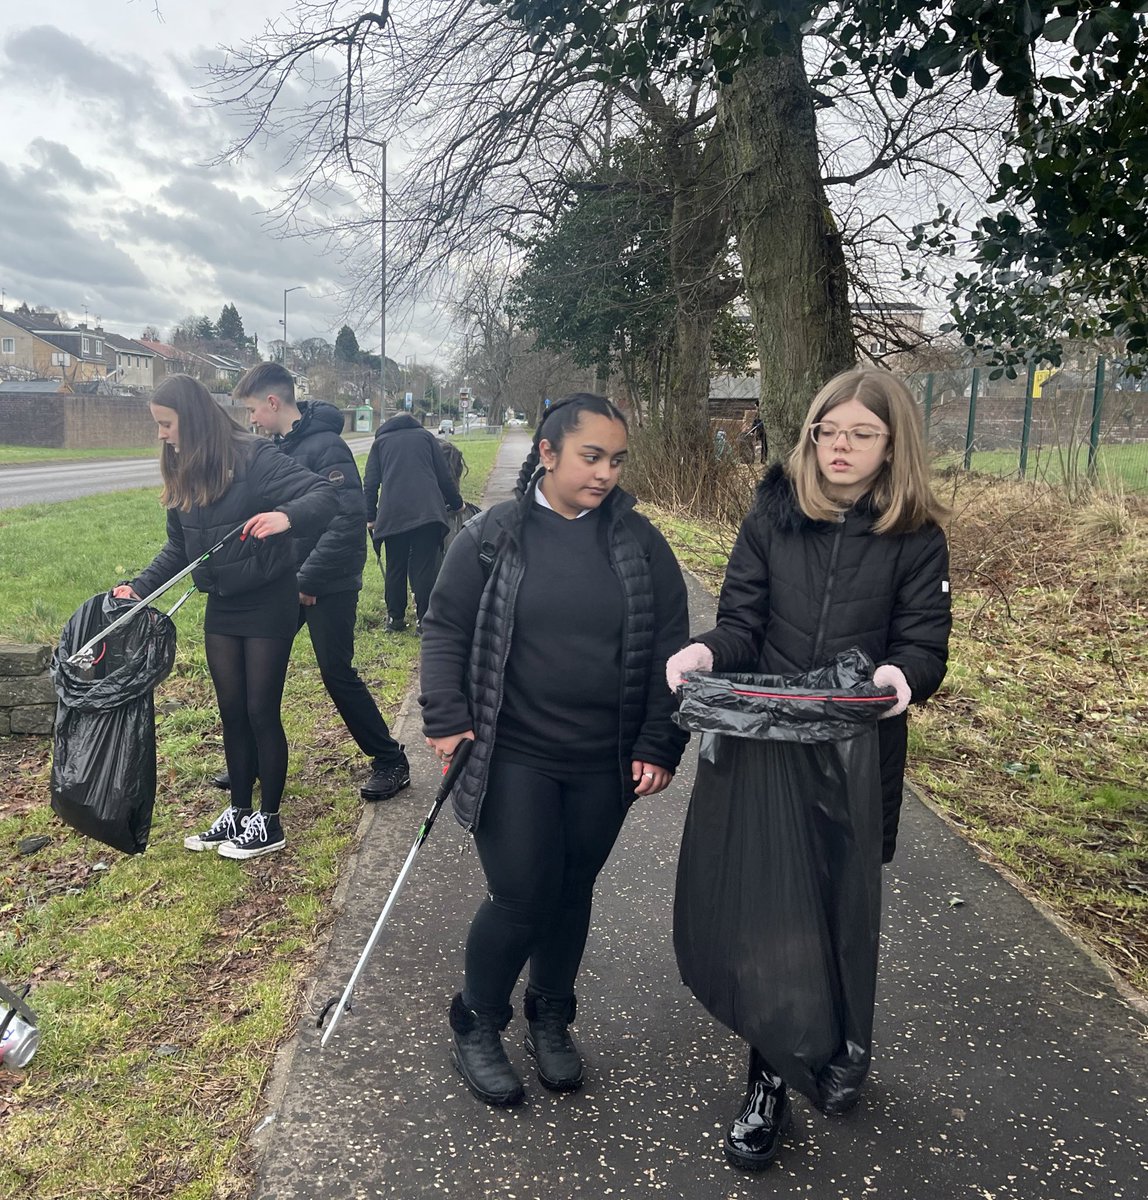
<point>331,560</point>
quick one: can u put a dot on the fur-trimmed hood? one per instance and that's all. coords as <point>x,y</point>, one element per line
<point>776,501</point>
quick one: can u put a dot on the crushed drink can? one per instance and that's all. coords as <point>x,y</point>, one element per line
<point>18,1039</point>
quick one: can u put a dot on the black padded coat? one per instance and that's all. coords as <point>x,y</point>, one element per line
<point>468,628</point>
<point>329,559</point>
<point>264,481</point>
<point>407,482</point>
<point>798,591</point>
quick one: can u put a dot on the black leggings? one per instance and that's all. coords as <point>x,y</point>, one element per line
<point>248,674</point>
<point>542,840</point>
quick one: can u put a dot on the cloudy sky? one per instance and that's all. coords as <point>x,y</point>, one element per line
<point>108,201</point>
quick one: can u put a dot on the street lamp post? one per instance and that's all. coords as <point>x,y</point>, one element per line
<point>296,288</point>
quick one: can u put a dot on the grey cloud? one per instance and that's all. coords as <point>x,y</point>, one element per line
<point>43,237</point>
<point>62,166</point>
<point>46,56</point>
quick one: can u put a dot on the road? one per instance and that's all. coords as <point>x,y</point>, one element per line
<point>50,483</point>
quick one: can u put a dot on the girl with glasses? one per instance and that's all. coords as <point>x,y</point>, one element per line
<point>842,548</point>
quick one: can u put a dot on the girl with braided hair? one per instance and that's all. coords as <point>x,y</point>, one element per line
<point>542,643</point>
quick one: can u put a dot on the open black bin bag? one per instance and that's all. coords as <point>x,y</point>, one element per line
<point>778,903</point>
<point>103,757</point>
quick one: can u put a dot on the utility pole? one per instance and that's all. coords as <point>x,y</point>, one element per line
<point>383,284</point>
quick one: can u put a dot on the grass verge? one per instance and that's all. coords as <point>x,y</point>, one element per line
<point>1034,746</point>
<point>11,456</point>
<point>163,982</point>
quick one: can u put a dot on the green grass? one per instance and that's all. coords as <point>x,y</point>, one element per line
<point>1117,467</point>
<point>163,982</point>
<point>17,455</point>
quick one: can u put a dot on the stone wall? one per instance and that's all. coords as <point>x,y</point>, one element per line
<point>27,697</point>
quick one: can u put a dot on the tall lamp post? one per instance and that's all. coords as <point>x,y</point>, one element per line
<point>298,287</point>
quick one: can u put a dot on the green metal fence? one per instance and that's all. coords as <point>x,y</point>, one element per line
<point>1086,422</point>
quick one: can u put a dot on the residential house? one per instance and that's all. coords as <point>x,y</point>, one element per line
<point>37,345</point>
<point>887,334</point>
<point>130,363</point>
<point>169,360</point>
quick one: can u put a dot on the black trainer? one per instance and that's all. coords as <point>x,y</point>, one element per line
<point>480,1057</point>
<point>386,782</point>
<point>549,1043</point>
<point>754,1136</point>
<point>395,624</point>
<point>230,823</point>
<point>221,781</point>
<point>263,834</point>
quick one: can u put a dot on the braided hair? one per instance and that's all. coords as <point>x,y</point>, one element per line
<point>558,420</point>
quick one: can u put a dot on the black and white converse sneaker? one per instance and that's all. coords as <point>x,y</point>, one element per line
<point>230,823</point>
<point>263,834</point>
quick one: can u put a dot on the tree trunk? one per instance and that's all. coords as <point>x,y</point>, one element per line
<point>699,235</point>
<point>788,241</point>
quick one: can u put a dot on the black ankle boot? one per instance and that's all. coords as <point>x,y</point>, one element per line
<point>754,1136</point>
<point>548,1040</point>
<point>479,1056</point>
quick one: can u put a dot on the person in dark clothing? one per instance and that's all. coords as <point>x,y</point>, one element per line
<point>217,476</point>
<point>409,490</point>
<point>842,548</point>
<point>330,563</point>
<point>544,643</point>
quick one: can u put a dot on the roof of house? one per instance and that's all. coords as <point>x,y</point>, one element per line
<point>888,308</point>
<point>735,387</point>
<point>47,327</point>
<point>127,345</point>
<point>162,349</point>
<point>222,362</point>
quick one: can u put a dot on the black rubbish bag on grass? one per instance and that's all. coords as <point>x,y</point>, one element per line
<point>778,903</point>
<point>103,756</point>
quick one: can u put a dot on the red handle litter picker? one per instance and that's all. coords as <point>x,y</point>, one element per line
<point>84,656</point>
<point>343,1002</point>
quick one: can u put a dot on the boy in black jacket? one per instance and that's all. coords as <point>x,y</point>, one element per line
<point>330,566</point>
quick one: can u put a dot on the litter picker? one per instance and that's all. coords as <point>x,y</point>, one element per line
<point>342,1003</point>
<point>84,657</point>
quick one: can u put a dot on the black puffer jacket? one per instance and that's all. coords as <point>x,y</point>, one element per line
<point>331,559</point>
<point>467,632</point>
<point>798,591</point>
<point>407,482</point>
<point>264,481</point>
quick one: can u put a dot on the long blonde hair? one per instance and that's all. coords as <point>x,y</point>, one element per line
<point>901,493</point>
<point>204,466</point>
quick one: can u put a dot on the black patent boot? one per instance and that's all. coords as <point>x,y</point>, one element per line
<point>549,1042</point>
<point>478,1054</point>
<point>754,1135</point>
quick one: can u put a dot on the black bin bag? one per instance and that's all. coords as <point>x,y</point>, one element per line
<point>778,902</point>
<point>103,756</point>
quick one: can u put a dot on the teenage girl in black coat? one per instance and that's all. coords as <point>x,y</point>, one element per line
<point>841,548</point>
<point>548,654</point>
<point>216,476</point>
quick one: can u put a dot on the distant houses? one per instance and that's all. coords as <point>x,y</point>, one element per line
<point>38,346</point>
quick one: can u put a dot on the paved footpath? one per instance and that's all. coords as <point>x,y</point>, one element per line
<point>1006,1065</point>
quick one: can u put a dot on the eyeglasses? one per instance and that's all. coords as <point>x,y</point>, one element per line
<point>860,437</point>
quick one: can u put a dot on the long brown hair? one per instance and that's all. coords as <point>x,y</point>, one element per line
<point>901,492</point>
<point>203,467</point>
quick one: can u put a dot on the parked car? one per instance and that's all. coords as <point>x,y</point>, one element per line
<point>446,426</point>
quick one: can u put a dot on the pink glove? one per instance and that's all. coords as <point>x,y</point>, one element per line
<point>694,657</point>
<point>889,676</point>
